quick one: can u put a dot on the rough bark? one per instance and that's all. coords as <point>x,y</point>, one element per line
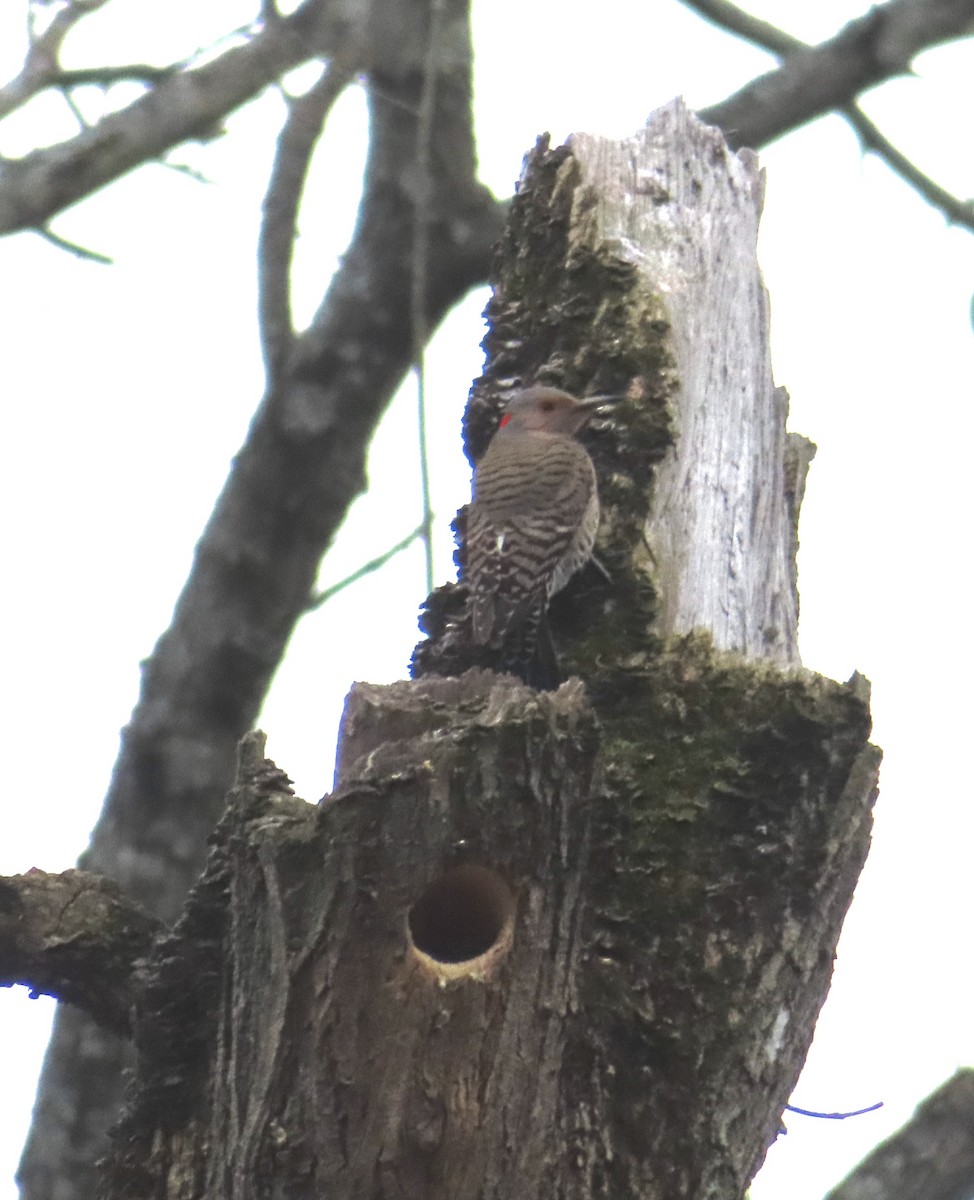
<point>491,927</point>
<point>931,1156</point>
<point>562,945</point>
<point>76,937</point>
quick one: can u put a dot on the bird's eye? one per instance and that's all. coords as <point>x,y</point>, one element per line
<point>547,406</point>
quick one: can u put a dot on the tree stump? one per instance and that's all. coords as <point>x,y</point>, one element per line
<point>567,944</point>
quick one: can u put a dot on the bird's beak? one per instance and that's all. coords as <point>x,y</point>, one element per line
<point>595,403</point>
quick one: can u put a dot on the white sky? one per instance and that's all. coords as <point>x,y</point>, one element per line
<point>127,390</point>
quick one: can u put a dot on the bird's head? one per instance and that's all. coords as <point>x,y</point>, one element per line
<point>549,410</point>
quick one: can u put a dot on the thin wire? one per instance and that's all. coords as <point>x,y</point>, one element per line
<point>420,257</point>
<point>834,1116</point>
<point>424,473</point>
<point>372,565</point>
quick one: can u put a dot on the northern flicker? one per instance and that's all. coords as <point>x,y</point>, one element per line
<point>531,525</point>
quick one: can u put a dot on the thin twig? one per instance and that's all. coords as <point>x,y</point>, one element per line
<point>184,169</point>
<point>421,245</point>
<point>73,248</point>
<point>735,20</point>
<point>108,76</point>
<point>79,116</point>
<point>275,248</point>
<point>374,564</point>
<point>960,212</point>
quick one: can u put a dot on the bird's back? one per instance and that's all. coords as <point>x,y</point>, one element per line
<point>531,524</point>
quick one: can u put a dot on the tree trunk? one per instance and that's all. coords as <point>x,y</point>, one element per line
<point>566,944</point>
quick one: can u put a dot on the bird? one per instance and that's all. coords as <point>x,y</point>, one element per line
<point>531,525</point>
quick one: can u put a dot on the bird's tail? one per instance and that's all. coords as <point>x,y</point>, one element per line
<point>529,652</point>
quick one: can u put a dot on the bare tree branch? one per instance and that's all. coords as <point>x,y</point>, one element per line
<point>184,106</point>
<point>108,75</point>
<point>288,492</point>
<point>735,20</point>
<point>815,80</point>
<point>73,936</point>
<point>931,1156</point>
<point>305,120</point>
<point>728,16</point>
<point>960,212</point>
<point>41,64</point>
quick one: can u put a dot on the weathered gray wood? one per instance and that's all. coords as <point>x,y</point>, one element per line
<point>631,267</point>
<point>675,202</point>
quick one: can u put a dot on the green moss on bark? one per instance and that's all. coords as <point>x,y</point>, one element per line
<point>725,820</point>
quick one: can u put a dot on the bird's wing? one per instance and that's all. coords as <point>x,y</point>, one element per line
<point>519,530</point>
